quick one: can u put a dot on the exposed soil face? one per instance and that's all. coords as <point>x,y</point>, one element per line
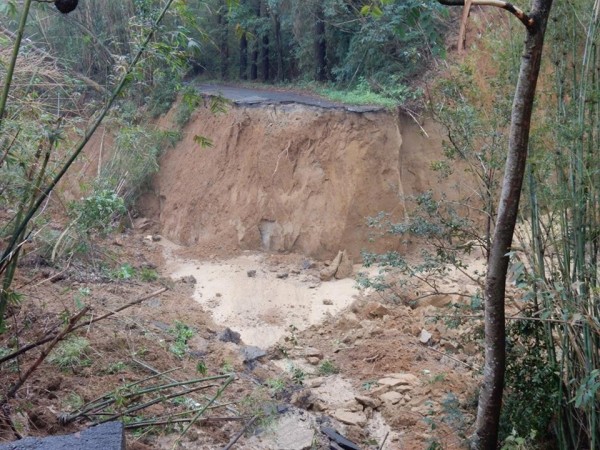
<point>253,219</point>
<point>290,178</point>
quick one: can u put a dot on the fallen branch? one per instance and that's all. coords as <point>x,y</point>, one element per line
<point>240,434</point>
<point>518,13</point>
<point>133,426</point>
<point>53,334</point>
<point>68,329</point>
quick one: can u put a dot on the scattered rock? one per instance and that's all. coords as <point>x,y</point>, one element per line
<point>308,264</point>
<point>449,346</point>
<point>312,352</point>
<point>302,399</point>
<point>292,433</point>
<point>142,223</point>
<point>283,275</point>
<point>329,272</point>
<point>252,353</point>
<point>156,238</point>
<point>327,302</point>
<point>375,309</point>
<point>190,279</point>
<point>391,397</point>
<point>313,360</point>
<point>350,418</point>
<point>405,378</point>
<point>198,344</point>
<point>228,335</point>
<point>425,336</point>
<point>251,273</point>
<point>314,382</point>
<point>340,440</point>
<point>390,382</point>
<point>345,268</point>
<point>368,402</point>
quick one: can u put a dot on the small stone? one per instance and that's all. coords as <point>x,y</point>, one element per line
<point>375,309</point>
<point>345,268</point>
<point>391,397</point>
<point>156,238</point>
<point>252,353</point>
<point>142,223</point>
<point>350,418</point>
<point>251,273</point>
<point>314,352</point>
<point>327,302</point>
<point>313,360</point>
<point>405,378</point>
<point>368,402</point>
<point>314,382</point>
<point>425,336</point>
<point>228,335</point>
<point>390,382</point>
<point>190,279</point>
<point>283,276</point>
<point>329,272</point>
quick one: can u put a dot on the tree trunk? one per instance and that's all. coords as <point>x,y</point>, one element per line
<point>266,76</point>
<point>278,47</point>
<point>223,46</point>
<point>244,57</point>
<point>490,397</point>
<point>320,46</point>
<point>255,45</point>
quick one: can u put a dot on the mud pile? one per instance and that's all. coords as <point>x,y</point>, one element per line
<point>290,178</point>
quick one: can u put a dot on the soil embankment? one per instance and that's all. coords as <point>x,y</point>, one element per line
<point>290,178</point>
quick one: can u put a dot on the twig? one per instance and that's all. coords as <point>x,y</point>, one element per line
<point>199,413</point>
<point>133,426</point>
<point>68,329</point>
<point>155,401</point>
<point>152,369</point>
<point>240,434</point>
<point>51,336</point>
<point>470,366</point>
<point>384,439</point>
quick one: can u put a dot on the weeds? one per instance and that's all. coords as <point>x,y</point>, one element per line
<point>182,334</point>
<point>327,368</point>
<point>71,354</point>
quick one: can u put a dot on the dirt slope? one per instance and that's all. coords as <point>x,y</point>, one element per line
<point>289,178</point>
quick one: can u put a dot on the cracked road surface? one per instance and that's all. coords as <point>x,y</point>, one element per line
<point>248,97</point>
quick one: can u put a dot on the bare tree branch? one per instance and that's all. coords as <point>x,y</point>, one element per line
<point>517,12</point>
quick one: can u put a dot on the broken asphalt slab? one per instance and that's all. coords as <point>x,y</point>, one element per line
<point>249,97</point>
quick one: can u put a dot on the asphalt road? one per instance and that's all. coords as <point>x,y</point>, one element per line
<point>248,96</point>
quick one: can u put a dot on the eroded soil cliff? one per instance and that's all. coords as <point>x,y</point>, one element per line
<point>290,177</point>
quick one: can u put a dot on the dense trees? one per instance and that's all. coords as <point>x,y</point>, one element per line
<point>268,40</point>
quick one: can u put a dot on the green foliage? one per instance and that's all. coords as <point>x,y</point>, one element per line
<point>276,385</point>
<point>327,368</point>
<point>364,94</point>
<point>190,100</point>
<point>147,275</point>
<point>72,353</point>
<point>99,211</point>
<point>125,272</point>
<point>116,367</point>
<point>181,333</point>
<point>201,368</point>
